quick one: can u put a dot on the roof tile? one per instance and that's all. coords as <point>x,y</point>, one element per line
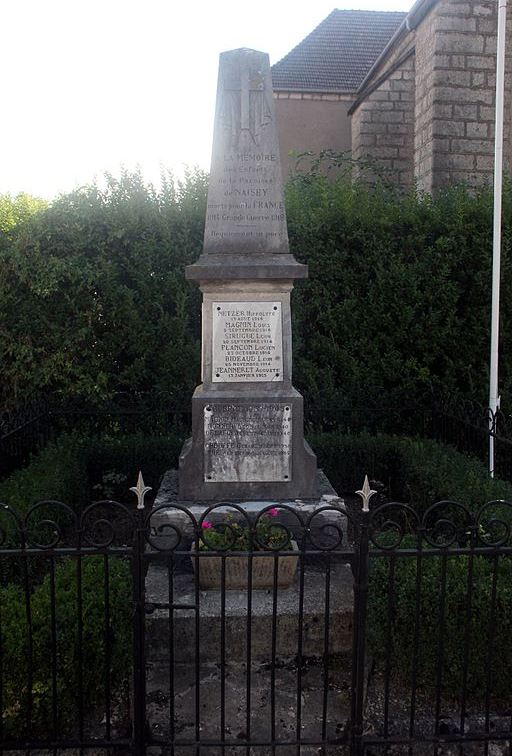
<point>338,54</point>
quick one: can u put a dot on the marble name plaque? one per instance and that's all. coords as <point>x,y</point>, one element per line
<point>247,442</point>
<point>247,342</point>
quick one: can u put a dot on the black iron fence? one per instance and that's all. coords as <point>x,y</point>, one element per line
<point>226,631</point>
<point>26,428</point>
<point>452,419</point>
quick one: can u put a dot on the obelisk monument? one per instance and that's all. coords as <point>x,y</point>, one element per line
<point>247,419</point>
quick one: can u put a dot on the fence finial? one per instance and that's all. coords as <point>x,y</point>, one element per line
<point>140,491</point>
<point>366,494</point>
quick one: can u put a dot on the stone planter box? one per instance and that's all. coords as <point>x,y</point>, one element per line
<point>237,571</point>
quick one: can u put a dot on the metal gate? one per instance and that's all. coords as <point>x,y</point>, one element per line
<point>227,631</point>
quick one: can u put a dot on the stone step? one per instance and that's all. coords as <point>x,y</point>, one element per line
<point>316,691</point>
<point>263,620</point>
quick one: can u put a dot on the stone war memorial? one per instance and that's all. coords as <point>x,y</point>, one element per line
<point>247,419</point>
<point>238,611</point>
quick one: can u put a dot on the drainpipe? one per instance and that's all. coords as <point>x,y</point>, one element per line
<point>494,399</point>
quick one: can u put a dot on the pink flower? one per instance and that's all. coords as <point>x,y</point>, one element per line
<point>207,525</point>
<point>273,512</point>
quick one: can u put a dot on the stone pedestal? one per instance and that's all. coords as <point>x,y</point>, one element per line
<point>247,419</point>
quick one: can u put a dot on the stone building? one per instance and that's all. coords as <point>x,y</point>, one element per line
<point>424,111</point>
<point>317,82</point>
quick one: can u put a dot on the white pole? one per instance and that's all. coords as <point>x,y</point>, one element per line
<point>496,246</point>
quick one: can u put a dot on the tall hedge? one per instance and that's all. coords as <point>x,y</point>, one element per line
<point>93,298</point>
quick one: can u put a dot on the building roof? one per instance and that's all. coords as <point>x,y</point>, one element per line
<point>338,54</point>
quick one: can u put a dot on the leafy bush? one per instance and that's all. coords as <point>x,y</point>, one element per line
<point>126,455</point>
<point>93,295</point>
<point>77,469</point>
<point>418,471</point>
<point>93,298</point>
<point>15,644</point>
<point>57,472</point>
<point>398,294</point>
<point>402,634</point>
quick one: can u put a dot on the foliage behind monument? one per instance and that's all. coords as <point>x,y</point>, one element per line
<point>93,299</point>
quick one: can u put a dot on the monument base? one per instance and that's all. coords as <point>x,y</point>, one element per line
<point>247,446</point>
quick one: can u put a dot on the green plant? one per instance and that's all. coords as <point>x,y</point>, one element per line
<point>19,644</point>
<point>397,599</point>
<point>230,535</point>
<point>93,298</point>
<point>419,471</point>
<point>76,469</point>
<point>57,472</point>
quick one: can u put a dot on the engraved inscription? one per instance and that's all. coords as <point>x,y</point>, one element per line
<point>247,442</point>
<point>245,209</point>
<point>247,342</point>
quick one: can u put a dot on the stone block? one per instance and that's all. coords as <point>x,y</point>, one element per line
<point>478,79</point>
<point>464,95</point>
<point>457,61</point>
<point>483,10</point>
<point>399,85</point>
<point>374,128</point>
<point>389,140</point>
<point>487,25</point>
<point>398,128</point>
<point>460,9</point>
<point>490,45</point>
<point>484,163</point>
<point>459,162</point>
<point>442,144</point>
<point>447,110</point>
<point>486,113</point>
<point>365,140</point>
<point>482,146</point>
<point>379,95</point>
<point>481,62</point>
<point>210,464</point>
<point>442,61</point>
<point>459,43</point>
<point>385,152</point>
<point>456,23</point>
<point>454,78</point>
<point>448,128</point>
<point>403,105</point>
<point>402,164</point>
<point>477,129</point>
<point>388,116</point>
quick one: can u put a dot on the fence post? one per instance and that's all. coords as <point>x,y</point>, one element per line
<point>360,571</point>
<point>139,648</point>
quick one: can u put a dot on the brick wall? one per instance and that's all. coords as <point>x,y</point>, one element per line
<point>451,135</point>
<point>383,126</point>
<point>463,112</point>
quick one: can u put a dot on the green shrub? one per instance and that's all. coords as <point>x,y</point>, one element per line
<point>402,633</point>
<point>419,471</point>
<point>15,644</point>
<point>57,472</point>
<point>124,456</point>
<point>93,298</point>
<point>78,469</point>
<point>398,295</point>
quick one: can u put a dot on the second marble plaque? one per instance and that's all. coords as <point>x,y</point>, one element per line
<point>247,342</point>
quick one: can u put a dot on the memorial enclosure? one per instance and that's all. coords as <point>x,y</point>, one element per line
<point>253,602</point>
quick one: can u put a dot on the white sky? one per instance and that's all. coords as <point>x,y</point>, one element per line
<point>88,85</point>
